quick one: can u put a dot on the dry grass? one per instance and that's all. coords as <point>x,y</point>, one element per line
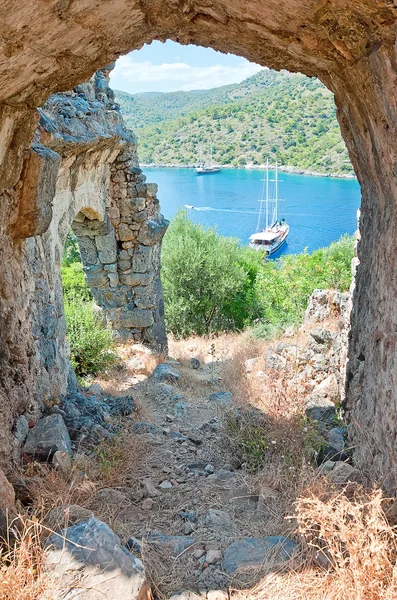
<point>113,464</point>
<point>346,531</point>
<point>22,573</point>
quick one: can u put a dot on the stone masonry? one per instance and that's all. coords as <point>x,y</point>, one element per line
<point>52,46</point>
<point>103,196</point>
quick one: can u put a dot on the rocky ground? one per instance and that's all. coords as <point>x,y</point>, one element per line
<point>194,464</point>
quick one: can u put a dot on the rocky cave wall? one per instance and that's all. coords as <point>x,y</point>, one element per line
<point>50,46</point>
<point>83,174</point>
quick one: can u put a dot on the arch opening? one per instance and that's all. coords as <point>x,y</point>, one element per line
<point>350,48</point>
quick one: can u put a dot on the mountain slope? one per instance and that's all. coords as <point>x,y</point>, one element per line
<point>283,116</point>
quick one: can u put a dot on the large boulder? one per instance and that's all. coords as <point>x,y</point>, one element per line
<point>47,437</point>
<point>87,562</point>
<point>251,554</point>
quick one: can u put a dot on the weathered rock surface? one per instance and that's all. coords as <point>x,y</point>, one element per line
<point>48,436</point>
<point>165,373</point>
<point>80,172</point>
<point>343,473</point>
<point>87,561</point>
<point>258,553</point>
<point>221,398</point>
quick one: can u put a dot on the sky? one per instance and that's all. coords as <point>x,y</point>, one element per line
<point>169,67</point>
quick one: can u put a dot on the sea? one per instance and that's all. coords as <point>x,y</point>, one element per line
<point>318,209</point>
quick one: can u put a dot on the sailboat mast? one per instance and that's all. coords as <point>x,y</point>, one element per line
<point>276,191</point>
<point>267,193</point>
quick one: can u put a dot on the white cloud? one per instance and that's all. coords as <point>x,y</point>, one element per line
<point>133,76</point>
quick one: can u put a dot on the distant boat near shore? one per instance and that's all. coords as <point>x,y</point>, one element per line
<point>204,169</point>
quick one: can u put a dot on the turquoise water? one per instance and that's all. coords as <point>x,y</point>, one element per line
<point>318,209</point>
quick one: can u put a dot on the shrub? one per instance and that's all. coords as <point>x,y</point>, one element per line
<point>283,286</point>
<point>91,343</point>
<point>206,280</point>
<point>74,285</point>
<point>212,284</point>
<point>71,252</point>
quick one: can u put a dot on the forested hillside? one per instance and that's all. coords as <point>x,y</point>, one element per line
<point>283,116</point>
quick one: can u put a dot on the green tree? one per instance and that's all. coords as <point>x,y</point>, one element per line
<point>203,278</point>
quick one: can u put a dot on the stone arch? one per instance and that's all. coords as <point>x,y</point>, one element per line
<point>349,46</point>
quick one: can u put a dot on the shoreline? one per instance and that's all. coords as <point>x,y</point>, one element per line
<point>283,168</point>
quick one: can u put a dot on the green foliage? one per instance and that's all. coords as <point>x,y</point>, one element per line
<point>211,284</point>
<point>74,285</point>
<point>71,252</point>
<point>284,286</point>
<point>205,279</point>
<point>91,343</point>
<point>287,116</point>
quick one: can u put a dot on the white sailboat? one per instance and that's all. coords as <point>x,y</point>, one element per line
<point>204,169</point>
<point>275,233</point>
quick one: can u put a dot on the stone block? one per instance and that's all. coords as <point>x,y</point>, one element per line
<point>136,318</point>
<point>37,192</point>
<point>134,279</point>
<point>111,268</point>
<point>88,250</point>
<point>124,265</point>
<point>125,233</point>
<point>113,280</point>
<point>152,231</point>
<point>151,189</point>
<point>114,212</point>
<point>107,247</point>
<point>110,299</point>
<point>144,296</point>
<point>141,259</point>
<point>97,280</point>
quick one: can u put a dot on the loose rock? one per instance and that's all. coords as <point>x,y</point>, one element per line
<point>343,473</point>
<point>166,373</point>
<point>220,397</point>
<point>195,363</point>
<point>46,437</point>
<point>165,485</point>
<point>215,519</point>
<point>120,406</point>
<point>256,553</point>
<point>213,556</point>
<point>86,554</point>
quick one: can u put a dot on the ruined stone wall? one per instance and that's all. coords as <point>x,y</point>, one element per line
<point>47,47</point>
<point>83,174</point>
